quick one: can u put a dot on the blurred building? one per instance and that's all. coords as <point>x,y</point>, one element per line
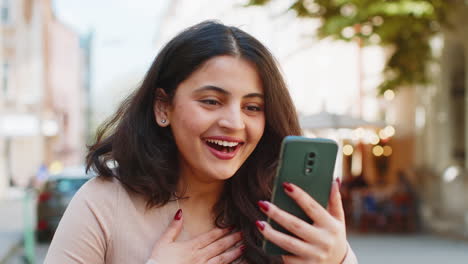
<point>316,81</point>
<point>441,129</point>
<point>41,92</point>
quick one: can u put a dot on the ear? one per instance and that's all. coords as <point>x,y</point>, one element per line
<point>161,108</point>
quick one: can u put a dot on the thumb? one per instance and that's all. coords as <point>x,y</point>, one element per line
<point>335,206</point>
<point>173,230</point>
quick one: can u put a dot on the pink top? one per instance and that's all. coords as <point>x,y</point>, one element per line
<point>104,223</point>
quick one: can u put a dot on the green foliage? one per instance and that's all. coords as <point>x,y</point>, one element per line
<point>404,26</point>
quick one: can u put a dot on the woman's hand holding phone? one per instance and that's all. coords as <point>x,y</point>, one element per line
<point>322,242</point>
<point>217,246</point>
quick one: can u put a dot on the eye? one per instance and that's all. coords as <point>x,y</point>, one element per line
<point>210,101</point>
<point>254,108</point>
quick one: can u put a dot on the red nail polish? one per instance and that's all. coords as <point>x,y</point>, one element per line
<point>288,187</point>
<point>338,180</point>
<point>260,225</point>
<point>263,205</point>
<point>242,248</point>
<point>178,215</point>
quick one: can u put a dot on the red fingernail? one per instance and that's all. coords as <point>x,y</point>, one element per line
<point>288,187</point>
<point>178,215</point>
<point>263,205</point>
<point>242,248</point>
<point>338,180</point>
<point>260,225</point>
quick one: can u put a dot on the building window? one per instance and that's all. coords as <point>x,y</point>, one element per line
<point>5,12</point>
<point>5,82</point>
<point>27,10</point>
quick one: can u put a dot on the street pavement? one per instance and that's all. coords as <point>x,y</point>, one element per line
<point>40,254</point>
<point>391,249</point>
<point>11,222</point>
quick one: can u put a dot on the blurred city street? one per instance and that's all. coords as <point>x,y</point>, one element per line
<point>386,80</point>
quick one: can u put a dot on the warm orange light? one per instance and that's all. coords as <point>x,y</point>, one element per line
<point>389,131</point>
<point>389,95</point>
<point>374,140</point>
<point>55,167</point>
<point>348,150</point>
<point>387,151</point>
<point>377,150</point>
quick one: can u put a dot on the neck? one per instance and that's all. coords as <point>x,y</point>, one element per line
<point>197,204</point>
<point>197,194</point>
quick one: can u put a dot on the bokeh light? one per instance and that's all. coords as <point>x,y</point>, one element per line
<point>348,150</point>
<point>377,150</point>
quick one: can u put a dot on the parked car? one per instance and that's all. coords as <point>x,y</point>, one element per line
<point>54,198</point>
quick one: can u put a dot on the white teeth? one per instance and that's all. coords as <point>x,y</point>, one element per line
<point>223,143</point>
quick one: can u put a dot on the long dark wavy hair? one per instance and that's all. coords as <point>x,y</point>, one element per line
<point>132,148</point>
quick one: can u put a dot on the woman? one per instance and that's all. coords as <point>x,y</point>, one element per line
<point>187,163</point>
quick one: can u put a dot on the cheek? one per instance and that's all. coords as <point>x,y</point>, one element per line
<point>187,122</point>
<point>256,129</point>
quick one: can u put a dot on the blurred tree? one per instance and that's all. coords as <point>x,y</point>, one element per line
<point>404,26</point>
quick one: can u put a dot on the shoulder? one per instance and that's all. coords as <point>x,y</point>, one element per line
<point>108,195</point>
<point>100,189</point>
<point>86,229</point>
<point>99,194</point>
<point>100,185</point>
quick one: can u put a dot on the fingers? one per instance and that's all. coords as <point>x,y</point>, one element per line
<point>222,244</point>
<point>228,256</point>
<point>322,242</point>
<point>173,230</point>
<point>309,205</point>
<point>335,206</point>
<point>290,222</point>
<point>206,239</point>
<point>289,243</point>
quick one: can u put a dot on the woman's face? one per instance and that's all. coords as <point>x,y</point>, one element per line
<point>217,118</point>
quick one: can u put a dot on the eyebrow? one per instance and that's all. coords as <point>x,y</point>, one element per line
<point>224,92</point>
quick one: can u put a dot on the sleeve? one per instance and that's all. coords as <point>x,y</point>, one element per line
<point>350,257</point>
<point>84,231</point>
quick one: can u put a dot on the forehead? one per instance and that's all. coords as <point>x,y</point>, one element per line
<point>231,73</point>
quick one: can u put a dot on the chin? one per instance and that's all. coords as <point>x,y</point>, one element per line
<point>223,175</point>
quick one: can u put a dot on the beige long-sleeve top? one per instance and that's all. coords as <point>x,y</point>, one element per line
<point>104,223</point>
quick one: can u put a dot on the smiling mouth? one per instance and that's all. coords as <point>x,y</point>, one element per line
<point>223,146</point>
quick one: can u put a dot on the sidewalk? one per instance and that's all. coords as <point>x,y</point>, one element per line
<point>11,223</point>
<point>418,248</point>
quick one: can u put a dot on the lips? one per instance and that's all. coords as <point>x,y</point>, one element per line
<point>223,147</point>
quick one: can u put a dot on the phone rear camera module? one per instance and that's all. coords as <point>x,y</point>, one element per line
<point>312,155</point>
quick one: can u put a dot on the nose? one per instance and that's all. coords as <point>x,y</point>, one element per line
<point>232,119</point>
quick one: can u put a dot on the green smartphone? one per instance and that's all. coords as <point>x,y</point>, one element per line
<point>308,163</point>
